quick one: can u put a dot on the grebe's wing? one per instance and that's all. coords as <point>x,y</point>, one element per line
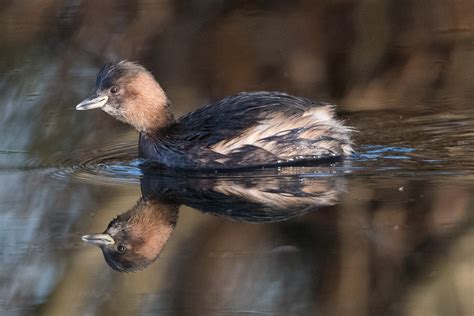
<point>261,128</point>
<point>232,116</point>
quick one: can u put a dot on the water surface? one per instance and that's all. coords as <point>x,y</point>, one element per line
<point>389,230</point>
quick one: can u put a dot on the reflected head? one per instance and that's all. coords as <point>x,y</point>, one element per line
<point>135,239</point>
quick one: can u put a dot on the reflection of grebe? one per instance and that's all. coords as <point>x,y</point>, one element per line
<point>135,238</point>
<point>241,131</point>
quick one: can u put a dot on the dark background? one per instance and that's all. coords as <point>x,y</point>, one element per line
<point>400,242</point>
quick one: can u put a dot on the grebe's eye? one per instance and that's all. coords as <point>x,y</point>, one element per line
<point>121,248</point>
<point>113,90</point>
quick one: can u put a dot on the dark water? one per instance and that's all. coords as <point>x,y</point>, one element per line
<point>390,230</point>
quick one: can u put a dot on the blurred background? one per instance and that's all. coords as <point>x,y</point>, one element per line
<point>399,242</point>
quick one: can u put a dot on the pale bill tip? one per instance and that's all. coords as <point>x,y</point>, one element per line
<point>92,103</point>
<point>98,239</point>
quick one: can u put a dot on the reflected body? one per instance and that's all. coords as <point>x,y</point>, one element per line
<point>250,129</point>
<point>134,239</point>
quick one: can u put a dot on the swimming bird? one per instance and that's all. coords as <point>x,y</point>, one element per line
<point>246,130</point>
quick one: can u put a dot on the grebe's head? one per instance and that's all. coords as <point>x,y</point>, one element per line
<point>128,92</point>
<point>135,238</point>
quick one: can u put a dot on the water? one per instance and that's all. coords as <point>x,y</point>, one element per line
<point>389,230</point>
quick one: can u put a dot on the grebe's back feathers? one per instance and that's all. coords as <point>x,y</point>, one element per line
<point>255,128</point>
<point>232,115</point>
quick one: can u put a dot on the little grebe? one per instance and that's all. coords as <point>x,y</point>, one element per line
<point>249,129</point>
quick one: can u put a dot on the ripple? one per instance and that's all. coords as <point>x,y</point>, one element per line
<point>427,146</point>
<point>117,163</point>
<point>112,163</point>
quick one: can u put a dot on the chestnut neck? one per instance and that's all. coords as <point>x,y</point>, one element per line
<point>148,108</point>
<point>159,123</point>
<point>152,222</point>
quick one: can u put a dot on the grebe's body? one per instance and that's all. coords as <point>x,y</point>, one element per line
<point>250,129</point>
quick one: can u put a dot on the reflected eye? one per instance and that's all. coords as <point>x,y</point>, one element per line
<point>113,90</point>
<point>121,248</point>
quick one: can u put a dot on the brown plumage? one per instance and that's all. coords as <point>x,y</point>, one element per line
<point>249,129</point>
